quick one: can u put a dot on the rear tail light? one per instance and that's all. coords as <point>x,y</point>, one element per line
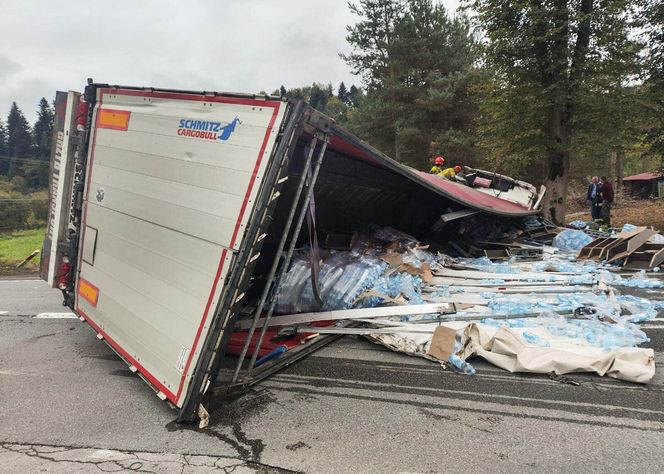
<point>63,273</point>
<point>82,115</point>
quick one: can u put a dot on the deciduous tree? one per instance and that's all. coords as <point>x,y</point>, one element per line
<point>551,63</point>
<point>652,14</point>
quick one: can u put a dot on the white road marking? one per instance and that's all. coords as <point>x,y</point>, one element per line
<point>56,316</point>
<point>2,313</point>
<point>27,280</point>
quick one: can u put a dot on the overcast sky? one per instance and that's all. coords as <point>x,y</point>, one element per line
<point>223,45</point>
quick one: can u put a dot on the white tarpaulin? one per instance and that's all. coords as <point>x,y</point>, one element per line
<point>506,349</point>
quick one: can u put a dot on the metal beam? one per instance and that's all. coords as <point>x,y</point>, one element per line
<point>361,313</point>
<point>311,184</point>
<point>277,259</point>
<point>450,216</point>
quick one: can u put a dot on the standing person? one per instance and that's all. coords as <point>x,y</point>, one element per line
<point>437,167</point>
<point>592,196</point>
<point>606,194</point>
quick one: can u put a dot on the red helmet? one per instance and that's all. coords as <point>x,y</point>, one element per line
<point>439,160</point>
<point>457,169</point>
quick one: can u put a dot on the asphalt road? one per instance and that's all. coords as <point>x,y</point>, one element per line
<point>68,404</point>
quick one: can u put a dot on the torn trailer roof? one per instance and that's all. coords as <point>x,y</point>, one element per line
<point>457,191</point>
<point>187,208</point>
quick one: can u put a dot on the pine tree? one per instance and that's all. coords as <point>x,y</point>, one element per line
<point>416,64</point>
<point>4,163</point>
<point>282,91</point>
<point>342,93</point>
<point>298,93</point>
<point>319,96</point>
<point>36,173</point>
<point>373,60</point>
<point>43,130</point>
<point>353,96</point>
<point>18,139</point>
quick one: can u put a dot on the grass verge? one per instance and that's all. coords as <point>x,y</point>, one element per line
<point>15,246</point>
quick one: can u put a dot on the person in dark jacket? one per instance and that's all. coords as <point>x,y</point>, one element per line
<point>593,198</point>
<point>606,194</point>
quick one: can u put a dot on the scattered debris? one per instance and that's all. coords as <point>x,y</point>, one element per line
<point>203,416</point>
<point>571,239</point>
<point>542,312</point>
<point>562,379</point>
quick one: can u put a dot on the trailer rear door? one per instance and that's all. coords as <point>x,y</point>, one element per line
<point>61,178</point>
<point>170,186</point>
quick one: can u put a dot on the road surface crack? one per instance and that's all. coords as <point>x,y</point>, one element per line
<point>123,461</point>
<point>104,465</point>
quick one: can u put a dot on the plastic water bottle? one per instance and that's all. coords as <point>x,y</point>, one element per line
<point>623,337</point>
<point>493,322</point>
<point>610,342</point>
<point>535,339</point>
<point>461,364</point>
<point>515,323</point>
<point>591,336</point>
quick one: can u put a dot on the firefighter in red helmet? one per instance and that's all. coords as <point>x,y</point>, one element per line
<point>450,173</point>
<point>438,165</point>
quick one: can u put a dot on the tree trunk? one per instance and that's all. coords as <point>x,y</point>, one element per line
<point>558,161</point>
<point>13,169</point>
<point>620,159</point>
<point>563,111</point>
<point>613,170</point>
<point>616,170</point>
<point>397,146</point>
<point>557,183</point>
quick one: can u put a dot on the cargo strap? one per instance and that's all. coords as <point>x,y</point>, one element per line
<point>314,254</point>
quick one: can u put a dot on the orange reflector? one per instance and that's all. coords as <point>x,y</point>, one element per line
<point>113,119</point>
<point>88,291</point>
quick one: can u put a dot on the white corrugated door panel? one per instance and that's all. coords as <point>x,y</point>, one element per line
<point>171,183</point>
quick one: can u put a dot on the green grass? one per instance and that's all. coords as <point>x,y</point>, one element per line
<point>17,245</point>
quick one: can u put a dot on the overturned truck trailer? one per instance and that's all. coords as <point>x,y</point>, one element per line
<point>174,213</point>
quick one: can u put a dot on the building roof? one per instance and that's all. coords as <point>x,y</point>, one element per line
<point>648,176</point>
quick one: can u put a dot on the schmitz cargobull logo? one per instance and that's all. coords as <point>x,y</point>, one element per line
<point>207,130</point>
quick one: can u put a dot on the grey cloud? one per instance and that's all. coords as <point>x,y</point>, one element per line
<point>230,45</point>
<point>7,68</point>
